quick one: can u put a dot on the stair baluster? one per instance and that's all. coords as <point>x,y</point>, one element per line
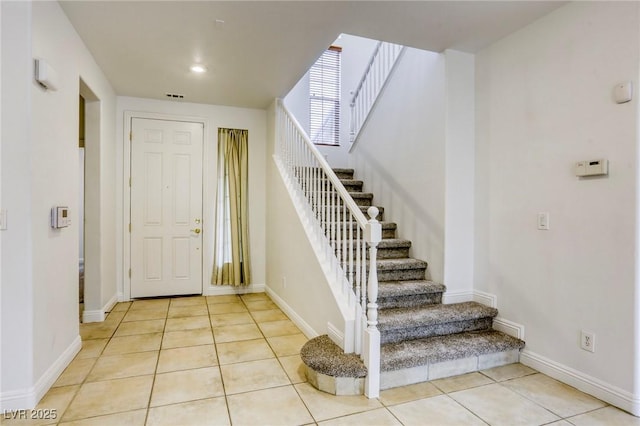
<point>337,224</point>
<point>373,80</point>
<point>372,334</point>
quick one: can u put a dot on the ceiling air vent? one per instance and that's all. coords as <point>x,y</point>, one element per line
<point>174,96</point>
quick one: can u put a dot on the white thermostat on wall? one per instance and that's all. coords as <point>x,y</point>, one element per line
<point>598,167</point>
<point>60,217</point>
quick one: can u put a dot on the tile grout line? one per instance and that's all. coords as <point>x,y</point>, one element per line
<point>84,380</point>
<point>285,371</point>
<point>215,348</point>
<point>155,371</point>
<point>531,400</point>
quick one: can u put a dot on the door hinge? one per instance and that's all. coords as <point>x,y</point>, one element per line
<point>129,227</point>
<point>130,136</point>
<point>129,272</point>
<point>129,182</point>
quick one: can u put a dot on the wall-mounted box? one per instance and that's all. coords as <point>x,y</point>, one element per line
<point>60,217</point>
<point>598,167</point>
<point>45,75</point>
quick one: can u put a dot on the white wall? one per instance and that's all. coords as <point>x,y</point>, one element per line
<point>544,101</point>
<point>40,274</point>
<point>294,276</point>
<point>356,52</point>
<point>16,293</point>
<point>459,174</point>
<point>400,154</point>
<point>215,116</point>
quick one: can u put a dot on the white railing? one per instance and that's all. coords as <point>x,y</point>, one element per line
<point>371,84</point>
<point>343,232</point>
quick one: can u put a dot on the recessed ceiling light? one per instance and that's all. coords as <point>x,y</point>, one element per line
<point>198,68</point>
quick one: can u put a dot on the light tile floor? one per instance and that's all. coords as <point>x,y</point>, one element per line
<point>235,360</point>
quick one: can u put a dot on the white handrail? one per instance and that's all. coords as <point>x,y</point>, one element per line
<point>341,230</point>
<point>322,162</point>
<point>375,77</point>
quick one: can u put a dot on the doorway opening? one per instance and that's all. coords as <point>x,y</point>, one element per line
<point>81,137</point>
<point>89,207</point>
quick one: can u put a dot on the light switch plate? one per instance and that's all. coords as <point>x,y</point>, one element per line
<point>623,92</point>
<point>543,221</point>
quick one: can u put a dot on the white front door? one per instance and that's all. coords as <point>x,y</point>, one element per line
<point>166,207</point>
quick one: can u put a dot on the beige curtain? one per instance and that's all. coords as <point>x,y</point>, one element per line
<point>231,261</point>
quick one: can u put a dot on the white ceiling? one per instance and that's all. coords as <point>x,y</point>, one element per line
<point>145,48</point>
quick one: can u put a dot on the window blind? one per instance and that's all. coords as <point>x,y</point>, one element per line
<point>324,98</point>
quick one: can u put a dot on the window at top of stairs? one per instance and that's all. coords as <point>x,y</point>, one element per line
<point>324,98</point>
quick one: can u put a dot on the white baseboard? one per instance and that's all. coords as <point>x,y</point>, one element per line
<point>470,296</point>
<point>99,315</point>
<point>457,297</point>
<point>335,334</point>
<point>511,328</point>
<point>223,290</point>
<point>111,303</point>
<point>28,398</point>
<point>306,329</point>
<point>601,390</point>
<point>485,298</point>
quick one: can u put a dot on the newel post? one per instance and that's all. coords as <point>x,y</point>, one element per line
<point>373,235</point>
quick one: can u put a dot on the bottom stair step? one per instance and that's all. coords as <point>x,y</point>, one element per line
<point>445,348</point>
<point>443,356</point>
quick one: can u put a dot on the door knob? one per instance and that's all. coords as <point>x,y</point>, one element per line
<point>197,230</point>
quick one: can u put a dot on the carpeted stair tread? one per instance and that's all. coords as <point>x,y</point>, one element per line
<point>394,243</point>
<point>385,225</point>
<point>341,170</point>
<point>389,225</point>
<point>354,185</point>
<point>412,353</point>
<point>324,356</point>
<point>391,248</point>
<point>364,209</point>
<point>400,264</point>
<point>351,181</point>
<point>408,288</point>
<point>344,173</point>
<point>431,315</point>
<point>368,195</point>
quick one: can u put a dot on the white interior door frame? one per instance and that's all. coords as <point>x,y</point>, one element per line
<point>126,190</point>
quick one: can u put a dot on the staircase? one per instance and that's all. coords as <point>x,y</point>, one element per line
<point>421,338</point>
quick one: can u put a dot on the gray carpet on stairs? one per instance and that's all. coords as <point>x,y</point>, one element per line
<point>415,327</point>
<point>324,356</point>
<point>445,348</point>
<point>434,314</point>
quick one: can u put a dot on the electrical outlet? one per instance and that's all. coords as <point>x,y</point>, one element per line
<point>284,282</point>
<point>588,341</point>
